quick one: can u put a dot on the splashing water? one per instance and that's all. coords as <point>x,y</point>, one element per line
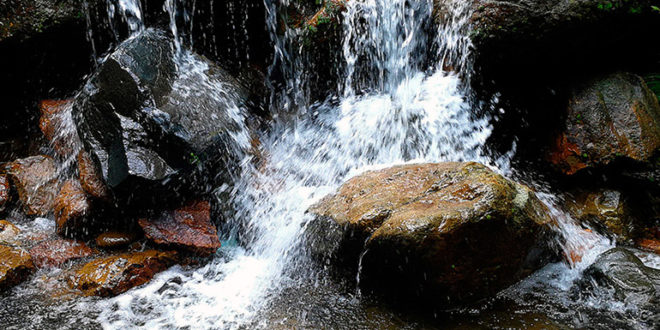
<point>130,12</point>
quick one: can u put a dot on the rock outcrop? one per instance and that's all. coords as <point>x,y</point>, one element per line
<point>609,118</point>
<point>35,180</point>
<point>114,275</point>
<point>188,228</point>
<point>15,266</point>
<point>451,231</point>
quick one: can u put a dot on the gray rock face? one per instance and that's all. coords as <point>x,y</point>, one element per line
<point>151,117</point>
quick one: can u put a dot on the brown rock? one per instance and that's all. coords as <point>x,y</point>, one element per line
<point>8,233</point>
<point>35,179</point>
<point>455,230</point>
<point>605,207</point>
<point>57,125</point>
<point>608,118</point>
<point>114,239</point>
<point>56,252</point>
<point>4,191</point>
<point>650,245</point>
<point>188,228</point>
<point>15,266</point>
<point>71,208</point>
<point>113,275</point>
<point>90,179</point>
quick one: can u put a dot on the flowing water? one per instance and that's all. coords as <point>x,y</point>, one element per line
<point>397,102</point>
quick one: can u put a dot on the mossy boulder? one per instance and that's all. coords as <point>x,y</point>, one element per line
<point>448,232</point>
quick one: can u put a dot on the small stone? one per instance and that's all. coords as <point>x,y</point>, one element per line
<point>56,252</point>
<point>35,179</point>
<point>110,276</point>
<point>114,239</point>
<point>15,266</point>
<point>71,209</point>
<point>188,228</point>
<point>8,233</point>
<point>90,178</point>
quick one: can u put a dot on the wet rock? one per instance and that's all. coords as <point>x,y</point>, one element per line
<point>609,118</point>
<point>54,253</point>
<point>90,177</point>
<point>113,275</point>
<point>8,233</point>
<point>35,180</point>
<point>152,128</point>
<point>606,208</point>
<point>15,266</point>
<point>454,230</point>
<point>4,191</point>
<point>619,271</point>
<point>72,208</point>
<point>189,228</point>
<point>57,125</point>
<point>115,239</point>
<point>650,245</point>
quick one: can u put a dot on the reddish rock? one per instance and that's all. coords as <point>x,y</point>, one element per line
<point>56,252</point>
<point>114,239</point>
<point>649,245</point>
<point>57,125</point>
<point>35,180</point>
<point>90,178</point>
<point>113,275</point>
<point>71,208</point>
<point>15,266</point>
<point>612,117</point>
<point>8,233</point>
<point>188,228</point>
<point>4,191</point>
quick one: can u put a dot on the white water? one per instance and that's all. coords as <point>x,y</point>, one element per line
<point>406,109</point>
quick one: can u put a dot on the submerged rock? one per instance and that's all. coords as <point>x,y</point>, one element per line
<point>56,126</point>
<point>608,118</point>
<point>15,266</point>
<point>448,231</point>
<point>35,180</point>
<point>4,191</point>
<point>114,275</point>
<point>54,253</point>
<point>8,233</point>
<point>149,127</point>
<point>115,239</point>
<point>620,272</point>
<point>189,228</point>
<point>72,208</point>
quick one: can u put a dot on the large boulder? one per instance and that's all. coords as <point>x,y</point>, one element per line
<point>609,118</point>
<point>15,266</point>
<point>447,232</point>
<point>620,273</point>
<point>36,181</point>
<point>153,119</point>
<point>189,228</point>
<point>54,253</point>
<point>113,275</point>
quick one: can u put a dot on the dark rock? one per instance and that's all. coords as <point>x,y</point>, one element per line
<point>35,180</point>
<point>90,177</point>
<point>56,252</point>
<point>451,230</point>
<point>620,271</point>
<point>15,266</point>
<point>114,239</point>
<point>608,118</point>
<point>8,233</point>
<point>57,125</point>
<point>152,128</point>
<point>4,191</point>
<point>114,275</point>
<point>72,209</point>
<point>189,228</point>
